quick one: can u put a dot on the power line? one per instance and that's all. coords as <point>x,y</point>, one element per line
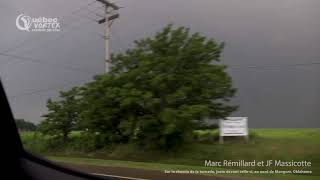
<point>94,12</point>
<point>230,66</point>
<point>43,62</point>
<point>239,67</point>
<point>60,35</point>
<point>28,40</point>
<point>57,37</point>
<point>81,8</point>
<point>47,89</point>
<point>11,56</point>
<point>67,84</point>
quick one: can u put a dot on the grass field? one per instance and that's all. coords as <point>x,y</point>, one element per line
<point>265,144</point>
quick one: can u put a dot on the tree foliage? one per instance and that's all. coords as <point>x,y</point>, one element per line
<point>155,95</point>
<point>63,115</point>
<point>157,91</point>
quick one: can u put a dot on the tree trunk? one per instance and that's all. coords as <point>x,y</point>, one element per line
<point>65,136</point>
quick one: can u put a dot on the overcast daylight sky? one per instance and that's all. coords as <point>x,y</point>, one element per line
<point>281,37</point>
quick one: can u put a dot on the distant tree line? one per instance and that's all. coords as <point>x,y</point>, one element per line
<point>155,94</point>
<point>23,125</point>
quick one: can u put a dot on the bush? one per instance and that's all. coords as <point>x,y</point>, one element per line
<point>39,143</point>
<point>34,142</point>
<point>204,126</point>
<point>86,142</point>
<point>206,136</point>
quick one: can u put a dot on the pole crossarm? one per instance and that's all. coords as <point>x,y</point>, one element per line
<point>110,16</point>
<point>115,16</point>
<point>107,3</point>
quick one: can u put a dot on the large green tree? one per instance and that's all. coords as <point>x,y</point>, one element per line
<point>63,115</point>
<point>157,91</point>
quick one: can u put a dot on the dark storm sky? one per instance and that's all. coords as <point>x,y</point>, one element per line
<point>271,35</point>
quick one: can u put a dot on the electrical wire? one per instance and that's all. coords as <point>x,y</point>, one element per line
<point>36,92</point>
<point>54,88</point>
<point>12,56</point>
<point>266,67</point>
<point>29,59</point>
<point>30,39</point>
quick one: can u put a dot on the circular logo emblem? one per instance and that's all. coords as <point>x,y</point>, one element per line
<point>23,22</point>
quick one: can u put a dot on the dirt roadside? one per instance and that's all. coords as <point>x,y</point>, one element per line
<point>140,174</point>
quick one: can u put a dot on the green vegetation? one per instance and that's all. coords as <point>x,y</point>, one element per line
<point>264,144</point>
<point>154,96</point>
<point>23,125</point>
<point>63,115</point>
<point>150,108</point>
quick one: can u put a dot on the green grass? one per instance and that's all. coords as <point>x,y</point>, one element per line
<point>264,144</point>
<point>34,141</point>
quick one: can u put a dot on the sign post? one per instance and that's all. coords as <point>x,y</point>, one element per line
<point>233,126</point>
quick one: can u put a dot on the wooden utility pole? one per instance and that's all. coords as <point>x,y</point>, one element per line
<point>110,16</point>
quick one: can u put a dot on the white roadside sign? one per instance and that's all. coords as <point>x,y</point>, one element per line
<point>233,126</point>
